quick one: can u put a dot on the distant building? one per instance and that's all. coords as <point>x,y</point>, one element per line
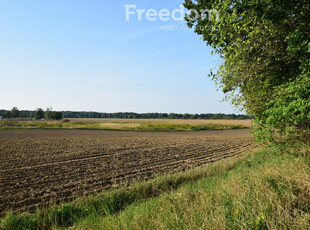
<point>1,117</point>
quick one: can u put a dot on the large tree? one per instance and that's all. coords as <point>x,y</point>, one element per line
<point>56,115</point>
<point>15,112</point>
<point>264,45</point>
<point>39,114</point>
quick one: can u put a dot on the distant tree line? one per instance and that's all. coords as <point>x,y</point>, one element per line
<point>52,115</point>
<point>38,114</point>
<point>69,114</point>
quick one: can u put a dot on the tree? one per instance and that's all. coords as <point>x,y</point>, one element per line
<point>56,115</point>
<point>186,116</point>
<point>218,116</point>
<point>15,112</point>
<point>265,49</point>
<point>48,113</point>
<point>172,116</point>
<point>8,114</point>
<point>31,115</point>
<point>39,114</point>
<point>194,116</point>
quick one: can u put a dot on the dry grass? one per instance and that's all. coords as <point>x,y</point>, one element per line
<point>136,125</point>
<point>118,126</point>
<point>246,123</point>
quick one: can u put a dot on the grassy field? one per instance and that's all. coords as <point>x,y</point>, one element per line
<point>125,125</point>
<point>266,189</point>
<point>246,123</point>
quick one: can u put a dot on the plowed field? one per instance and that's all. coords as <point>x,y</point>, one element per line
<point>39,167</point>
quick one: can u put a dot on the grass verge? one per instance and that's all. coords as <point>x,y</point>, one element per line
<point>120,126</point>
<point>269,189</point>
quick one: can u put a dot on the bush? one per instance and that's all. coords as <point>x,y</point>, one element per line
<point>288,114</point>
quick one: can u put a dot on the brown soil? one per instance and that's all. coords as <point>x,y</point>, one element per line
<point>40,167</point>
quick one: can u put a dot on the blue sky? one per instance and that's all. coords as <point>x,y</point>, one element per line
<point>83,55</point>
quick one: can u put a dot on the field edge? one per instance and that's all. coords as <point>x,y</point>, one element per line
<point>114,200</point>
<point>136,126</point>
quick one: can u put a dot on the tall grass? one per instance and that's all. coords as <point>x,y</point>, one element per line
<point>268,190</point>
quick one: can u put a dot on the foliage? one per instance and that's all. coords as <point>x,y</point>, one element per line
<point>48,113</point>
<point>15,112</point>
<point>289,112</point>
<point>39,114</point>
<point>7,114</point>
<point>186,116</point>
<point>265,49</point>
<point>129,115</point>
<point>56,115</point>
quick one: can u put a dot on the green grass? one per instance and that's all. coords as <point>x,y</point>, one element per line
<point>121,126</point>
<point>268,189</point>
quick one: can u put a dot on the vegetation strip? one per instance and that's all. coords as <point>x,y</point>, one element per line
<point>121,126</point>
